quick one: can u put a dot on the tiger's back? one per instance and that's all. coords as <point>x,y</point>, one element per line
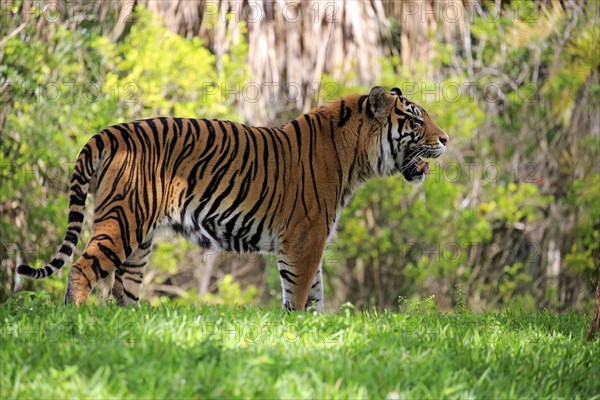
<point>221,184</point>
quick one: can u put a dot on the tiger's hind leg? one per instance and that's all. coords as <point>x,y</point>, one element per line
<point>129,275</point>
<point>103,254</point>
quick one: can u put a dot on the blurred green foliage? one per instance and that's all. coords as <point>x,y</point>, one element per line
<point>184,83</point>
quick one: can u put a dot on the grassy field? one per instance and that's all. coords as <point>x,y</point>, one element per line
<point>51,351</point>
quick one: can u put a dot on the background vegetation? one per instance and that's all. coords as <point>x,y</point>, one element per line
<point>510,217</point>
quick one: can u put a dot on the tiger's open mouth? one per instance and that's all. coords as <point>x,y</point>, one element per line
<point>415,169</point>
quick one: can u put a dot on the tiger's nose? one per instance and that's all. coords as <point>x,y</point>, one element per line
<point>443,139</point>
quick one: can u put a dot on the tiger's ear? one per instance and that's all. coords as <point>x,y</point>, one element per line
<point>380,103</point>
<point>396,91</point>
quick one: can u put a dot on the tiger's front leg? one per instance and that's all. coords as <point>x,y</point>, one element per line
<point>301,275</point>
<point>315,296</point>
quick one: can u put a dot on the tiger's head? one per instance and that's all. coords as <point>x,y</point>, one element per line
<point>409,135</point>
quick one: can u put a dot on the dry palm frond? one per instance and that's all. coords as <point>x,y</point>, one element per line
<point>529,32</point>
<point>291,44</point>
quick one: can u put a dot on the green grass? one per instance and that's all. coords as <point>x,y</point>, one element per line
<point>52,351</point>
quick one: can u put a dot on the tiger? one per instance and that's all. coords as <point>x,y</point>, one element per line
<point>230,186</point>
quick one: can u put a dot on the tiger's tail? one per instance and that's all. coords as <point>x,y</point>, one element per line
<point>85,168</point>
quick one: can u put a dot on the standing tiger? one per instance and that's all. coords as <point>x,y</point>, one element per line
<point>238,188</point>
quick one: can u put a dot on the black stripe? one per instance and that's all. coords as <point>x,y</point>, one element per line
<point>133,279</point>
<point>47,269</point>
<point>130,295</point>
<point>287,275</point>
<point>296,126</point>
<point>145,246</point>
<point>89,282</point>
<point>361,100</point>
<point>111,255</point>
<point>345,114</point>
<point>312,164</point>
<point>70,237</point>
<point>368,109</point>
<point>95,266</point>
<point>66,249</point>
<point>133,265</point>
<point>76,200</point>
<point>75,216</point>
<point>76,229</point>
<point>57,263</point>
